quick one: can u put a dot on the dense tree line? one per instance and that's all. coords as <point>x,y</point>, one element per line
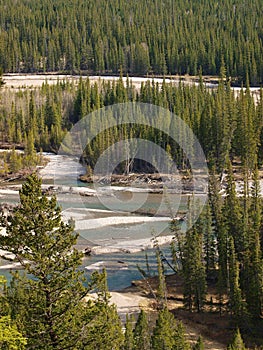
<point>227,126</point>
<point>224,249</point>
<point>160,37</point>
<point>227,238</point>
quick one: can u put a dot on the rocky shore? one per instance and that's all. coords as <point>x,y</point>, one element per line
<point>155,182</point>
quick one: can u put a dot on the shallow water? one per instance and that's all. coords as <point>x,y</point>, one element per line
<point>125,203</point>
<point>118,276</point>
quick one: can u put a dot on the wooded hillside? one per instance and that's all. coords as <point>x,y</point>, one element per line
<point>139,37</point>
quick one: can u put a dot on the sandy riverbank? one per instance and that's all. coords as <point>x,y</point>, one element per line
<point>23,81</point>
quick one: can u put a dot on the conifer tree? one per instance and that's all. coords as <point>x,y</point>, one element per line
<point>142,338</point>
<point>161,291</point>
<point>1,77</point>
<point>237,305</point>
<point>167,333</point>
<point>180,341</point>
<point>253,266</point>
<point>128,335</point>
<point>162,337</point>
<point>232,212</point>
<point>104,326</point>
<point>30,152</point>
<point>49,305</point>
<point>237,343</point>
<point>15,161</point>
<point>206,229</point>
<point>194,269</point>
<point>177,243</point>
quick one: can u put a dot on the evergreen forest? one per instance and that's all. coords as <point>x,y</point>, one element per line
<point>227,126</point>
<point>139,37</point>
<point>48,305</point>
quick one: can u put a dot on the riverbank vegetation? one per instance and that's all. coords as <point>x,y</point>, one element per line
<point>146,37</point>
<point>225,125</point>
<point>15,165</point>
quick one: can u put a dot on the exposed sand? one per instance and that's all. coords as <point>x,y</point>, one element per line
<point>131,246</point>
<point>92,224</point>
<point>7,191</point>
<point>126,303</point>
<point>34,80</point>
<point>18,81</point>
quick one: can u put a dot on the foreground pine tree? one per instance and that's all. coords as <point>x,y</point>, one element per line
<point>48,306</point>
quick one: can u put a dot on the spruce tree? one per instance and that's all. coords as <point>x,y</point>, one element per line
<point>180,341</point>
<point>161,290</point>
<point>237,306</point>
<point>233,213</point>
<point>167,333</point>
<point>162,338</point>
<point>206,229</point>
<point>128,335</point>
<point>1,77</point>
<point>142,338</point>
<point>237,342</point>
<point>194,269</point>
<point>253,284</point>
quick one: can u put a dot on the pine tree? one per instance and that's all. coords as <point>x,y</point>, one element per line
<point>177,243</point>
<point>180,342</point>
<point>193,269</point>
<point>161,290</point>
<point>253,284</point>
<point>50,305</point>
<point>15,161</point>
<point>237,306</point>
<point>1,77</point>
<point>4,306</point>
<point>167,333</point>
<point>142,333</point>
<point>233,213</point>
<point>30,152</point>
<point>128,335</point>
<point>162,338</point>
<point>205,220</point>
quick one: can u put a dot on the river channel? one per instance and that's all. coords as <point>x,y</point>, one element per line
<point>119,237</point>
